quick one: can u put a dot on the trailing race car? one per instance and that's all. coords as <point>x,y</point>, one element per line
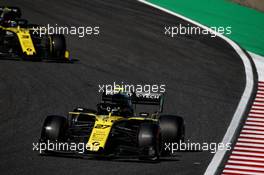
<point>21,40</point>
<point>115,129</point>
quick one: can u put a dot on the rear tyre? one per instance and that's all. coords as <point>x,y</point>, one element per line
<point>172,131</point>
<point>149,142</point>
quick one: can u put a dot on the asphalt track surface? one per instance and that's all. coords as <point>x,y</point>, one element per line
<point>204,78</point>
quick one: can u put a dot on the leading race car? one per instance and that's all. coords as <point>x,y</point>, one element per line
<point>18,39</point>
<point>116,129</point>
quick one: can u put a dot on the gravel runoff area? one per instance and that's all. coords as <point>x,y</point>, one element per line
<point>255,4</point>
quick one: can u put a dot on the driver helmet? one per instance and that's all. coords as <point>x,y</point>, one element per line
<point>124,102</point>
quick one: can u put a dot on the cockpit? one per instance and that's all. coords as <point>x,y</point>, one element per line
<point>119,105</point>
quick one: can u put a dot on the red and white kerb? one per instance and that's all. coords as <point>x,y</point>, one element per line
<point>247,158</point>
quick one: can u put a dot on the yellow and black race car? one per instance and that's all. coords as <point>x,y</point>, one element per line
<point>18,39</point>
<point>116,129</point>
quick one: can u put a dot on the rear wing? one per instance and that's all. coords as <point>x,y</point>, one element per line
<point>148,99</point>
<point>14,10</point>
<point>155,99</point>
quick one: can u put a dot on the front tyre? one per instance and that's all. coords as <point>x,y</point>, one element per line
<point>57,46</point>
<point>149,141</point>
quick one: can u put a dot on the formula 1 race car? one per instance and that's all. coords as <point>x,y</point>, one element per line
<point>115,129</point>
<point>18,39</point>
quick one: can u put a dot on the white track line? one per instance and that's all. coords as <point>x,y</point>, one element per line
<point>243,103</point>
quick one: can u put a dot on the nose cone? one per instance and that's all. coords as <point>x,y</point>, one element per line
<point>30,52</point>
